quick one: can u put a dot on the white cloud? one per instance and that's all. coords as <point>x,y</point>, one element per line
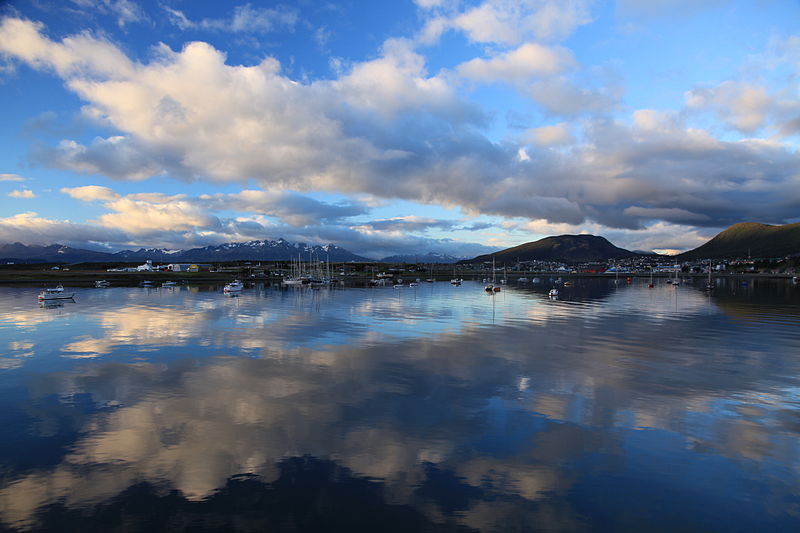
<point>557,134</point>
<point>22,193</point>
<point>11,177</point>
<point>521,64</point>
<point>29,228</point>
<point>245,19</point>
<point>386,128</point>
<point>742,106</point>
<point>125,11</point>
<point>510,22</point>
<point>91,192</point>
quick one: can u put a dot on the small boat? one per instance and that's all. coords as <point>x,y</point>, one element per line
<point>795,279</point>
<point>568,284</point>
<point>101,283</point>
<point>455,281</point>
<point>169,284</point>
<point>522,280</point>
<point>234,286</point>
<point>553,293</point>
<point>492,287</point>
<point>709,283</point>
<point>536,281</point>
<point>55,294</point>
<point>413,284</point>
<point>146,283</point>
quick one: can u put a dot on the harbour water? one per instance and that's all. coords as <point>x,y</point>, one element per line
<point>435,408</point>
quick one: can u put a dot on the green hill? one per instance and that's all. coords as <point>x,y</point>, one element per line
<point>750,239</point>
<point>566,248</point>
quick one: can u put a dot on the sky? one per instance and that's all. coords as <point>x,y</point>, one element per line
<point>401,127</point>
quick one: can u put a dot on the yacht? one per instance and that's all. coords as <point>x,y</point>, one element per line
<point>56,293</point>
<point>234,286</point>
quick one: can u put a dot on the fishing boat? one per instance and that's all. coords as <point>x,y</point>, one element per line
<point>56,293</point>
<point>234,286</point>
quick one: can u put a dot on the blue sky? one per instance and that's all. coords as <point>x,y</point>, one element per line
<point>396,127</point>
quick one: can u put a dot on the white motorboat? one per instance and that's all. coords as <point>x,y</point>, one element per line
<point>56,293</point>
<point>234,286</point>
<point>553,293</point>
<point>169,284</point>
<point>101,283</point>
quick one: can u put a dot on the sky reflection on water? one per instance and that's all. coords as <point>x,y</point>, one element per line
<point>615,408</point>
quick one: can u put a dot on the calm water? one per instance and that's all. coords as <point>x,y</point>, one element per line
<point>441,408</point>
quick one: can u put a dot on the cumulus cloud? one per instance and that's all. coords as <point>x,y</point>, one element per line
<point>29,228</point>
<point>22,193</point>
<point>89,193</point>
<point>407,223</point>
<point>11,177</point>
<point>181,221</point>
<point>742,106</point>
<point>749,107</point>
<point>386,128</point>
<point>510,22</point>
<point>557,134</point>
<point>293,208</point>
<point>527,61</point>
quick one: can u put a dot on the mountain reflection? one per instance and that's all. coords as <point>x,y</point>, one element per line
<point>556,411</point>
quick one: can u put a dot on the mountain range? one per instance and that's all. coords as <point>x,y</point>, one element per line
<point>267,250</point>
<point>740,240</point>
<point>430,257</point>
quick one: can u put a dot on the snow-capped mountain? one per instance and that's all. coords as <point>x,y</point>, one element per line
<point>430,257</point>
<point>266,250</point>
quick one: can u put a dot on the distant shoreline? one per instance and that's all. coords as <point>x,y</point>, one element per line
<point>87,278</point>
